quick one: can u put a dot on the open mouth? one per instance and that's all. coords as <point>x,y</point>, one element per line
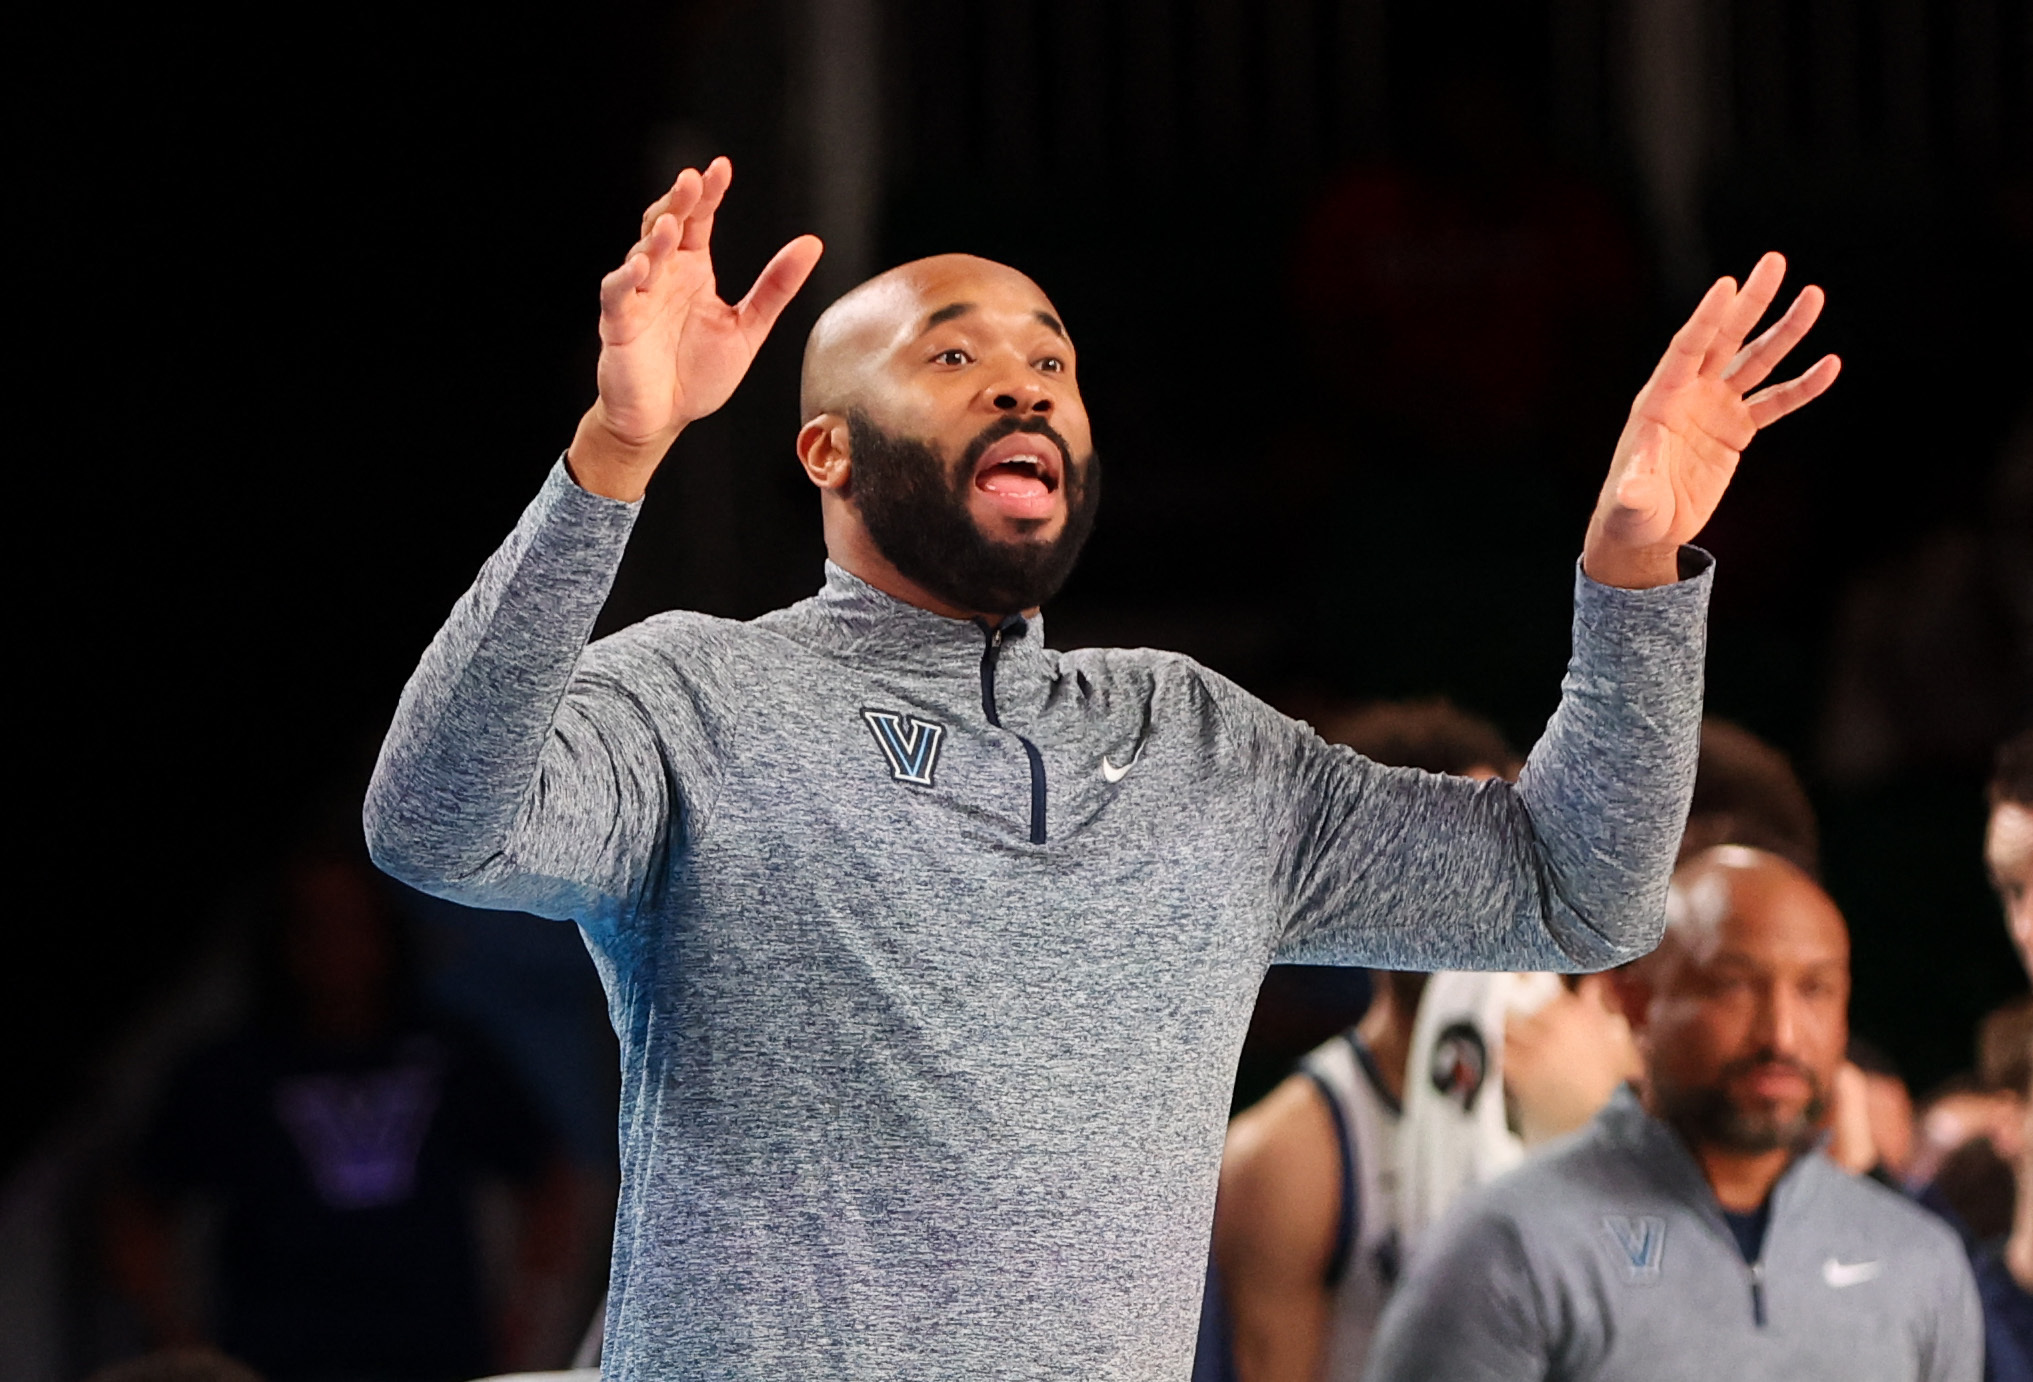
<point>1021,475</point>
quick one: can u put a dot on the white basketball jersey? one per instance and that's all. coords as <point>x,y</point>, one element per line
<point>1365,1265</point>
<point>1454,1134</point>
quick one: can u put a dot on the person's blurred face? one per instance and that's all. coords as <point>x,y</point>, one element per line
<point>1742,1015</point>
<point>2008,852</point>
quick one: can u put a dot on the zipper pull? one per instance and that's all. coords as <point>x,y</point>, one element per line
<point>995,639</point>
<point>1758,1293</point>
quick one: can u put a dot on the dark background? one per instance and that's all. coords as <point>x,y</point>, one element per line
<point>1361,287</point>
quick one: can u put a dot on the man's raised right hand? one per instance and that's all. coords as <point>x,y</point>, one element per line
<point>670,350</point>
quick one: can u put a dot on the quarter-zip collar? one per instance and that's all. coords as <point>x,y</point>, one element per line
<point>858,623</point>
<point>1656,1145</point>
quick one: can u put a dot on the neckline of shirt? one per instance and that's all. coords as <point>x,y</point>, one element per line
<point>853,620</point>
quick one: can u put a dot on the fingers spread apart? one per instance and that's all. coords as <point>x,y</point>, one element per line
<point>1743,312</point>
<point>1769,405</point>
<point>1758,359</point>
<point>1684,355</point>
<point>1711,344</point>
<point>679,201</point>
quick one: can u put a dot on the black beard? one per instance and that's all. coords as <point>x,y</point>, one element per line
<point>915,507</point>
<point>1706,1117</point>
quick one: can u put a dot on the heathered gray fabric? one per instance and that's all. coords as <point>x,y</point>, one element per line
<point>904,1093</point>
<point>1528,1279</point>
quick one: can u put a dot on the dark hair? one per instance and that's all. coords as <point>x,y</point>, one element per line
<point>1746,793</point>
<point>1433,734</point>
<point>2012,771</point>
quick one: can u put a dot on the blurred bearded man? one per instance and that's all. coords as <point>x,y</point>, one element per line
<point>1695,1230</point>
<point>930,948</point>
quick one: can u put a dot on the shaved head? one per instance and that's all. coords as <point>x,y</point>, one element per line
<point>1742,1011</point>
<point>871,321</point>
<point>1737,884</point>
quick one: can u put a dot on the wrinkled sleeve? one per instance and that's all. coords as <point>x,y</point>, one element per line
<point>524,769</point>
<point>1566,869</point>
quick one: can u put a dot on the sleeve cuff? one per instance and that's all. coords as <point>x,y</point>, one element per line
<point>1697,569</point>
<point>1651,633</point>
<point>560,487</point>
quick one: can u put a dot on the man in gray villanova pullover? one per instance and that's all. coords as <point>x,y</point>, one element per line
<point>1694,1230</point>
<point>929,948</point>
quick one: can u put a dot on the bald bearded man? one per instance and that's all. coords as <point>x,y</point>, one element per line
<point>1695,1230</point>
<point>930,949</point>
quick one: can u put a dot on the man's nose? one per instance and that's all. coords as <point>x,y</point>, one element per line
<point>1018,395</point>
<point>1779,1020</point>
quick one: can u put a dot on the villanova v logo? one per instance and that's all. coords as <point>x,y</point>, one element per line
<point>911,745</point>
<point>1642,1241</point>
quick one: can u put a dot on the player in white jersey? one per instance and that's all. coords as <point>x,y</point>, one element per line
<point>1364,1265</point>
<point>1306,1226</point>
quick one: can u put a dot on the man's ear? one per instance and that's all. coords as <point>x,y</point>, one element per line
<point>824,452</point>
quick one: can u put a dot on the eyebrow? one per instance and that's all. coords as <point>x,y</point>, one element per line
<point>953,310</point>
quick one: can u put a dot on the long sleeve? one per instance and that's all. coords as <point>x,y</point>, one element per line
<point>516,774</point>
<point>1565,870</point>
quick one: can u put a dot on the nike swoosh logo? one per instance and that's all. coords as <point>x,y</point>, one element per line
<point>1110,772</point>
<point>1841,1274</point>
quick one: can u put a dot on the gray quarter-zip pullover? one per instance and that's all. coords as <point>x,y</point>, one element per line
<point>1606,1259</point>
<point>931,949</point>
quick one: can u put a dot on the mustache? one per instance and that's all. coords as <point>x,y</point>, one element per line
<point>1744,1065</point>
<point>1008,426</point>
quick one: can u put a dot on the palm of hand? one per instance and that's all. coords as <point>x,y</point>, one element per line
<point>1685,442</point>
<point>1694,417</point>
<point>673,351</point>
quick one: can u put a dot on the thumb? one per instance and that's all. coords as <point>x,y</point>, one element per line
<point>776,285</point>
<point>1641,492</point>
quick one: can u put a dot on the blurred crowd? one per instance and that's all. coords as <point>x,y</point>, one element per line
<point>371,1137</point>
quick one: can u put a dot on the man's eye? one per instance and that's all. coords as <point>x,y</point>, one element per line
<point>955,356</point>
<point>1052,364</point>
